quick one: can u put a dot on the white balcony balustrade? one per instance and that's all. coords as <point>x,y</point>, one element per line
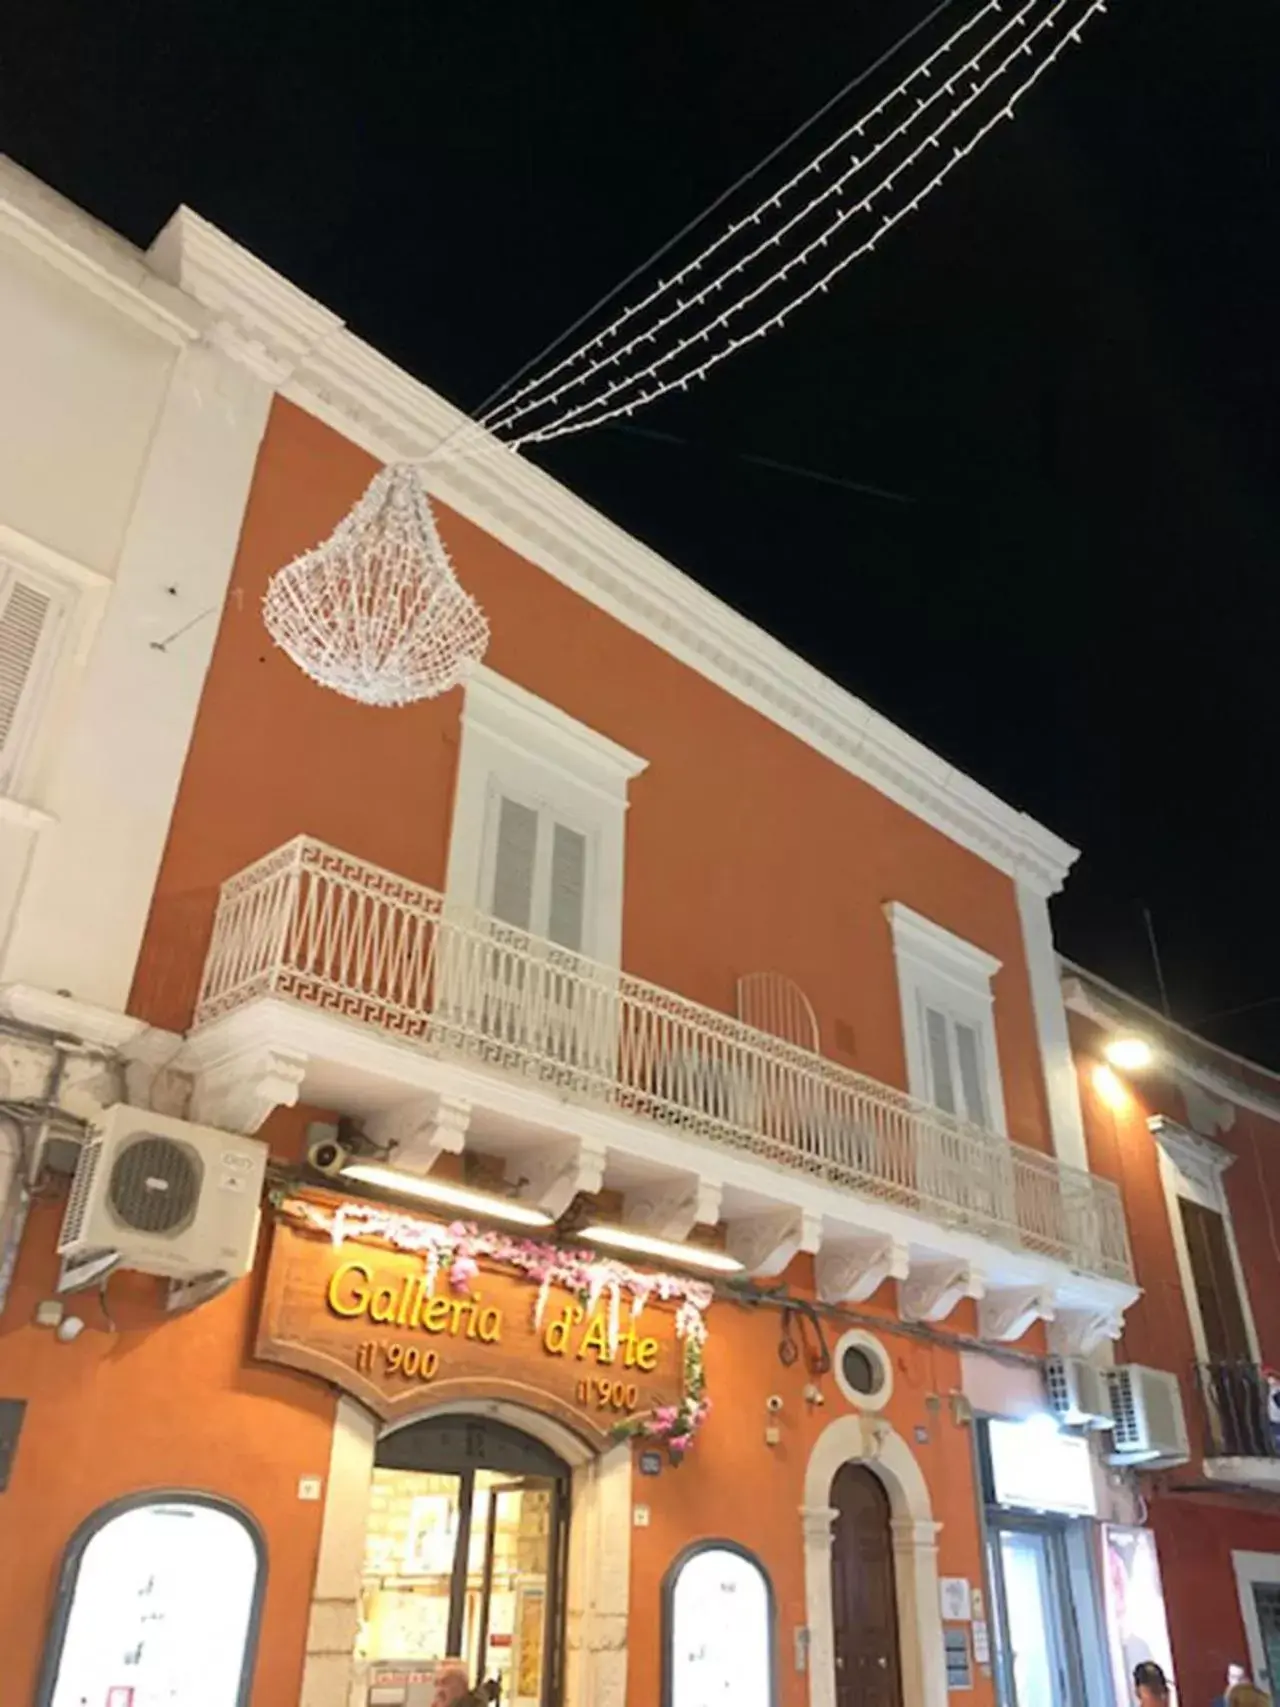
<point>312,925</point>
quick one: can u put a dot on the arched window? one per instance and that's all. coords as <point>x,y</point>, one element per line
<point>718,1628</point>
<point>159,1599</point>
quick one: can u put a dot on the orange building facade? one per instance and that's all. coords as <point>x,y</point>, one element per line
<point>1192,1136</point>
<point>646,932</point>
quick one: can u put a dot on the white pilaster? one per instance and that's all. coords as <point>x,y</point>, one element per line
<point>598,1592</point>
<point>1066,1125</point>
<point>89,881</point>
<point>328,1669</point>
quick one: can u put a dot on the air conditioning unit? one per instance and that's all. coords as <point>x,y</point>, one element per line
<point>1078,1393</point>
<point>171,1198</point>
<point>1150,1423</point>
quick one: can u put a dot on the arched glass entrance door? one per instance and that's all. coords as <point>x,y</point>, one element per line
<point>464,1563</point>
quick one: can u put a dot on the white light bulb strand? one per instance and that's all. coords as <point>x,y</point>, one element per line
<point>498,415</point>
<point>572,421</point>
<point>506,416</point>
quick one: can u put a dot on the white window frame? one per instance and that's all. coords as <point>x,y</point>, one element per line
<point>525,748</point>
<point>1194,1167</point>
<point>35,696</point>
<point>1251,1568</point>
<point>937,969</point>
<point>78,597</point>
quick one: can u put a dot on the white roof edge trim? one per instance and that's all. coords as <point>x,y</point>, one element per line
<point>56,231</point>
<point>196,280</point>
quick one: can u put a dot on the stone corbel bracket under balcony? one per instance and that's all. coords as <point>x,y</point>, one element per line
<point>273,1051</point>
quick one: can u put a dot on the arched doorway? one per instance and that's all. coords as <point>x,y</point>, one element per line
<point>863,1595</point>
<point>465,1561</point>
<point>871,1444</point>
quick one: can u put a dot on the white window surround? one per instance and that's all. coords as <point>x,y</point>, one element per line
<point>528,750</point>
<point>1251,1568</point>
<point>857,1339</point>
<point>1192,1167</point>
<point>937,969</point>
<point>77,596</point>
<point>871,1441</point>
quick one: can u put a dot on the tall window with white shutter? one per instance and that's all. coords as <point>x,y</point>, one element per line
<point>538,871</point>
<point>31,616</point>
<point>948,1019</point>
<point>539,820</point>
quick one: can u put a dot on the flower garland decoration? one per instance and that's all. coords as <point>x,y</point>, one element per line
<point>454,1249</point>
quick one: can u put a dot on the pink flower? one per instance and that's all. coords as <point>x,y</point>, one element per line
<point>680,1442</point>
<point>664,1416</point>
<point>462,1272</point>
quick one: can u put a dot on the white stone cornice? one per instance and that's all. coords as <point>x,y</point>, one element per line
<point>420,1131</point>
<point>258,318</point>
<point>932,1291</point>
<point>552,1175</point>
<point>1007,1312</point>
<point>671,1209</point>
<point>63,236</point>
<point>1198,1158</point>
<point>1079,1333</point>
<point>766,1244</point>
<point>851,1270</point>
<point>239,1090</point>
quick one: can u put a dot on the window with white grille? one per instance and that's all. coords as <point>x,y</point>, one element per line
<point>31,614</point>
<point>539,819</point>
<point>948,1019</point>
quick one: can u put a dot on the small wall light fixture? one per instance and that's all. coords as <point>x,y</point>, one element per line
<point>1130,1054</point>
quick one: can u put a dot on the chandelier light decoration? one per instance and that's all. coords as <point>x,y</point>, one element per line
<point>375,611</point>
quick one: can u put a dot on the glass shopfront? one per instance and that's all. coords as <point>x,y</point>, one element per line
<point>1047,1630</point>
<point>464,1566</point>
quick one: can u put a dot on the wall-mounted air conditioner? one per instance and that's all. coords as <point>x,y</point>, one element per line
<point>1150,1423</point>
<point>170,1198</point>
<point>1078,1393</point>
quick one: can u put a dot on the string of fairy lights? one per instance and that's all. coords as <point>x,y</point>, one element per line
<point>376,612</point>
<point>506,412</point>
<point>594,410</point>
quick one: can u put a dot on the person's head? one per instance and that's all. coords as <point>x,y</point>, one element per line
<point>1150,1685</point>
<point>1236,1674</point>
<point>1245,1695</point>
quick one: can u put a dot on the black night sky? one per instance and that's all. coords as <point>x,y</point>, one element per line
<point>1060,380</point>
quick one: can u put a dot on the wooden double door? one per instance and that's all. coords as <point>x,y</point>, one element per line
<point>863,1593</point>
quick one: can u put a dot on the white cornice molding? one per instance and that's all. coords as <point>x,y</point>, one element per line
<point>513,715</point>
<point>919,938</point>
<point>1197,1157</point>
<point>259,318</point>
<point>48,226</point>
<point>196,281</point>
<point>1082,996</point>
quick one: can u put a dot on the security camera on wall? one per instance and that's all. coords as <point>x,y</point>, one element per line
<point>332,1145</point>
<point>327,1154</point>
